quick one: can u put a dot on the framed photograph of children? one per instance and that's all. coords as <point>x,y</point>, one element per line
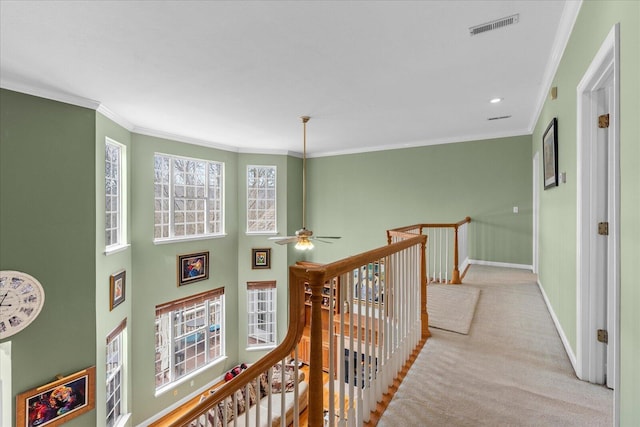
<point>261,258</point>
<point>116,289</point>
<point>550,153</point>
<point>57,402</point>
<point>193,268</point>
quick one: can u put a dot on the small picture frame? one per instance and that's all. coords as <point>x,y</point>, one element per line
<point>193,268</point>
<point>57,402</point>
<point>550,154</point>
<point>261,258</point>
<point>117,283</point>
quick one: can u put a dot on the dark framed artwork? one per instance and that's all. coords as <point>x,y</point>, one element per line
<point>57,402</point>
<point>117,283</point>
<point>193,268</point>
<point>261,258</point>
<point>550,152</point>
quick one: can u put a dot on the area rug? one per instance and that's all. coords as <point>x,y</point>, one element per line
<point>451,307</point>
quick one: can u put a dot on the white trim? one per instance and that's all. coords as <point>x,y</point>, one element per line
<point>604,66</point>
<point>565,27</point>
<point>181,402</point>
<point>6,394</point>
<point>113,116</point>
<point>188,239</point>
<point>463,266</point>
<point>116,248</point>
<point>556,322</point>
<point>536,213</point>
<point>53,95</point>
<point>423,143</point>
<point>501,264</point>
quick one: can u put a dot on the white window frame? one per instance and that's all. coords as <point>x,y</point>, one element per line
<point>189,336</point>
<point>115,402</point>
<point>262,200</point>
<point>115,204</point>
<point>262,319</point>
<point>184,201</point>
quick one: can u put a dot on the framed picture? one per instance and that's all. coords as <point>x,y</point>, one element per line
<point>57,402</point>
<point>260,258</point>
<point>116,289</point>
<point>550,152</point>
<point>193,268</point>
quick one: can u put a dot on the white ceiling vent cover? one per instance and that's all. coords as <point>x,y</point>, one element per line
<point>493,25</point>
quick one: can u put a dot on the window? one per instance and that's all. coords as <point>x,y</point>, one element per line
<point>261,311</point>
<point>261,199</point>
<point>189,335</point>
<point>115,357</point>
<point>188,198</point>
<point>114,194</point>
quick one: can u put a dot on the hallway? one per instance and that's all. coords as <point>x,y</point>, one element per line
<point>511,369</point>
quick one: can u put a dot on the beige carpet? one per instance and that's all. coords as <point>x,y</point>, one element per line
<point>510,370</point>
<point>451,307</point>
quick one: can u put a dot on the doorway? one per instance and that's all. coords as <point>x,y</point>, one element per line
<point>598,232</point>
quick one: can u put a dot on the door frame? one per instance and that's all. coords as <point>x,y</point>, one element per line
<point>536,212</point>
<point>605,66</point>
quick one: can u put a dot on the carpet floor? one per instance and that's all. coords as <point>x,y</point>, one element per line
<point>510,370</point>
<point>451,307</point>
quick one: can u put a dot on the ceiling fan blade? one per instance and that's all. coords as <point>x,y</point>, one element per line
<point>328,237</point>
<point>284,240</point>
<point>323,241</point>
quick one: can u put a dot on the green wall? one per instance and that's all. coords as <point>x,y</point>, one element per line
<point>558,206</point>
<point>106,265</point>
<point>155,276</point>
<point>359,196</point>
<point>279,262</point>
<point>47,222</point>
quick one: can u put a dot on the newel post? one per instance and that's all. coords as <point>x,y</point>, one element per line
<point>455,276</point>
<point>315,359</point>
<point>424,314</point>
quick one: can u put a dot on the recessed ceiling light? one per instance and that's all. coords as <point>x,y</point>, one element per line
<point>495,100</point>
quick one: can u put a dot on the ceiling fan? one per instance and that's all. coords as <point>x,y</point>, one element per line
<point>303,237</point>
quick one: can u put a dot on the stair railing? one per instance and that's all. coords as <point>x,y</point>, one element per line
<point>378,325</point>
<point>448,244</point>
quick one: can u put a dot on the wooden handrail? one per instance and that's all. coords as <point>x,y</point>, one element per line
<point>313,276</point>
<point>294,333</point>
<point>316,277</point>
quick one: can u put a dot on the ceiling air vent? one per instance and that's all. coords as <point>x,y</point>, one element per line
<point>498,118</point>
<point>493,25</point>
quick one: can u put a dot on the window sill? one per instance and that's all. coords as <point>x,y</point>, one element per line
<point>261,347</point>
<point>115,249</point>
<point>123,420</point>
<point>187,239</point>
<point>188,377</point>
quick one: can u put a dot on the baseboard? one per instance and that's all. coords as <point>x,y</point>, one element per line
<point>556,322</point>
<point>501,264</point>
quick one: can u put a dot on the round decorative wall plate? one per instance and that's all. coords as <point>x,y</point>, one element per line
<point>21,300</point>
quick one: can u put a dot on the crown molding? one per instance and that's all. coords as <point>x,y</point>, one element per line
<point>425,143</point>
<point>51,94</point>
<point>565,27</point>
<point>113,116</point>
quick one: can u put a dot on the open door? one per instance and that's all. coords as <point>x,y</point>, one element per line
<point>598,232</point>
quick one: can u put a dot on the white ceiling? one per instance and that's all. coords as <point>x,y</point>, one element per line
<point>238,74</point>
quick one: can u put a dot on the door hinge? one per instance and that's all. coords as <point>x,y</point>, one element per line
<point>603,121</point>
<point>603,336</point>
<point>603,228</point>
